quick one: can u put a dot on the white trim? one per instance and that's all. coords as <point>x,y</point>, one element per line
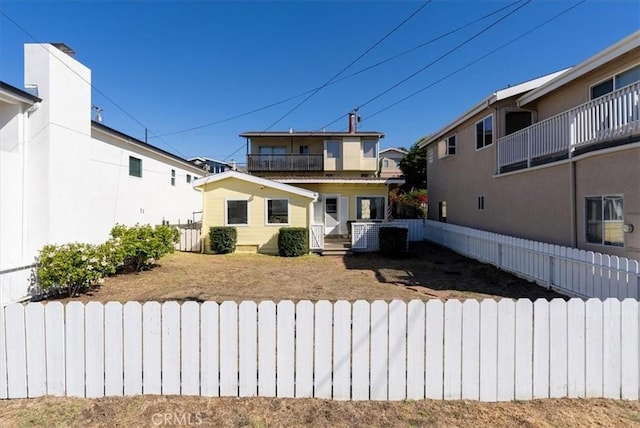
<point>201,182</point>
<point>384,207</point>
<point>395,149</point>
<point>341,180</point>
<point>266,212</point>
<point>603,57</point>
<point>613,81</point>
<point>226,212</point>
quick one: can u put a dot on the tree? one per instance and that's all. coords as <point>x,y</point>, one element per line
<point>414,167</point>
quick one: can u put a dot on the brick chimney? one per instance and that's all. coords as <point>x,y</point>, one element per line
<point>352,122</point>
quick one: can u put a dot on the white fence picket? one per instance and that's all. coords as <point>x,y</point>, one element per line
<point>94,359</point>
<point>541,349</point>
<point>524,350</point>
<point>611,357</point>
<point>152,350</point>
<point>209,347</point>
<point>190,348</point>
<point>3,356</point>
<point>594,343</point>
<point>470,350</point>
<point>452,350</point>
<point>416,319</point>
<point>557,348</point>
<point>505,354</point>
<point>132,349</point>
<point>247,349</point>
<point>488,367</point>
<point>285,359</point>
<point>35,350</point>
<point>379,350</point>
<point>16,351</point>
<point>397,350</point>
<point>113,350</point>
<point>434,347</point>
<point>305,338</point>
<point>575,348</point>
<point>342,350</point>
<point>630,350</point>
<point>170,348</point>
<point>75,349</point>
<point>228,349</point>
<point>360,350</point>
<point>323,347</point>
<point>267,349</point>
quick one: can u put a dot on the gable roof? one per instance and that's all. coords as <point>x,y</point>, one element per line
<point>394,149</point>
<point>201,182</point>
<point>206,159</point>
<point>490,100</point>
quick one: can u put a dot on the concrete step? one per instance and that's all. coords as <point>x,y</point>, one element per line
<point>335,252</point>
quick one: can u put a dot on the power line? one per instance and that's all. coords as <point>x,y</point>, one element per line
<point>349,65</point>
<point>477,60</point>
<point>441,57</point>
<point>89,83</point>
<point>421,45</point>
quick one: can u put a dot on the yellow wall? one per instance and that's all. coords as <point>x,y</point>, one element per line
<point>257,233</point>
<point>349,190</point>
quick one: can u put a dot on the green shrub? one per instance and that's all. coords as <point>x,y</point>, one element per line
<point>223,239</point>
<point>393,240</point>
<point>71,268</point>
<point>292,241</point>
<point>143,245</point>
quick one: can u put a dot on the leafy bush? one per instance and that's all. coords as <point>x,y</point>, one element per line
<point>142,245</point>
<point>393,240</point>
<point>71,268</point>
<point>292,241</point>
<point>223,239</point>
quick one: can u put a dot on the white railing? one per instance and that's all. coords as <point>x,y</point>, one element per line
<point>364,236</point>
<point>16,284</point>
<point>316,237</point>
<point>488,351</point>
<point>568,270</point>
<point>614,115</point>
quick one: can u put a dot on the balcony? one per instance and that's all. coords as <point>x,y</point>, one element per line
<point>610,119</point>
<point>285,163</point>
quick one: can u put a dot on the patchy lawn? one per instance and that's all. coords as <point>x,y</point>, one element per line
<point>429,272</point>
<point>149,411</point>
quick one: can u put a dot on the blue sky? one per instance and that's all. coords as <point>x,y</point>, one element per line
<point>178,65</point>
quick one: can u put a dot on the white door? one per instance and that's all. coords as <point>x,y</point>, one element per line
<point>331,215</point>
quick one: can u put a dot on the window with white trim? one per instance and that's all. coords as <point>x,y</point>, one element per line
<point>237,213</point>
<point>450,145</point>
<point>618,81</point>
<point>277,211</point>
<point>370,207</point>
<point>604,220</point>
<point>484,132</point>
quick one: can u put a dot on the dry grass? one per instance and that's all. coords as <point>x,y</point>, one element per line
<point>147,411</point>
<point>429,272</point>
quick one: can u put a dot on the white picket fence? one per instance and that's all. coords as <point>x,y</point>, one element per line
<point>15,284</point>
<point>575,272</point>
<point>488,351</point>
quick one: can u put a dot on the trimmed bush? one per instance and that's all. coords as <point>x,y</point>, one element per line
<point>143,245</point>
<point>393,240</point>
<point>223,239</point>
<point>292,241</point>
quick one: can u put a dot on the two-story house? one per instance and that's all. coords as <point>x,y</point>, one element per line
<point>555,160</point>
<point>335,174</point>
<point>389,165</point>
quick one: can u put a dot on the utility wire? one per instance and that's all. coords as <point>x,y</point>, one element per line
<point>441,57</point>
<point>349,65</point>
<point>526,33</point>
<point>118,106</point>
<point>421,45</point>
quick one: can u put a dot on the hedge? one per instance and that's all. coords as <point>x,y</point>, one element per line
<point>393,240</point>
<point>292,241</point>
<point>223,239</point>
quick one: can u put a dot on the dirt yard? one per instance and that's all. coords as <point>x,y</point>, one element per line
<point>428,272</point>
<point>154,411</point>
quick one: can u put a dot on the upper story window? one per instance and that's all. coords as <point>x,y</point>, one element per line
<point>188,178</point>
<point>135,167</point>
<point>173,177</point>
<point>451,145</point>
<point>369,148</point>
<point>333,148</point>
<point>618,81</point>
<point>604,220</point>
<point>385,163</point>
<point>484,132</point>
<point>268,150</point>
<point>304,150</point>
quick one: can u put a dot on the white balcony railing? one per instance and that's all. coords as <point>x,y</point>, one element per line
<point>612,116</point>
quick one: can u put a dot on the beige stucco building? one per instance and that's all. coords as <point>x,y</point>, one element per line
<point>556,159</point>
<point>390,162</point>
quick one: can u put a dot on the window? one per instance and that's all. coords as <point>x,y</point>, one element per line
<point>370,207</point>
<point>304,150</point>
<point>277,211</point>
<point>385,163</point>
<point>442,211</point>
<point>451,145</point>
<point>604,215</point>
<point>514,121</point>
<point>267,150</point>
<point>135,167</point>
<point>369,148</point>
<point>237,213</point>
<point>481,203</point>
<point>188,178</point>
<point>173,177</point>
<point>333,148</point>
<point>484,132</point>
<point>618,81</point>
<point>430,155</point>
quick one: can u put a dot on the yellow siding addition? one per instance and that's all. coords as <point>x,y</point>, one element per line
<point>349,190</point>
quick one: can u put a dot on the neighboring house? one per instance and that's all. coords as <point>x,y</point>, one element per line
<point>213,166</point>
<point>390,162</point>
<point>65,178</point>
<point>340,167</point>
<point>556,159</point>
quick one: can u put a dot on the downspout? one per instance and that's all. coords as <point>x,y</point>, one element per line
<point>573,209</point>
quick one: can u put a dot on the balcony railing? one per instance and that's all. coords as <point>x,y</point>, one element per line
<point>285,163</point>
<point>608,118</point>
